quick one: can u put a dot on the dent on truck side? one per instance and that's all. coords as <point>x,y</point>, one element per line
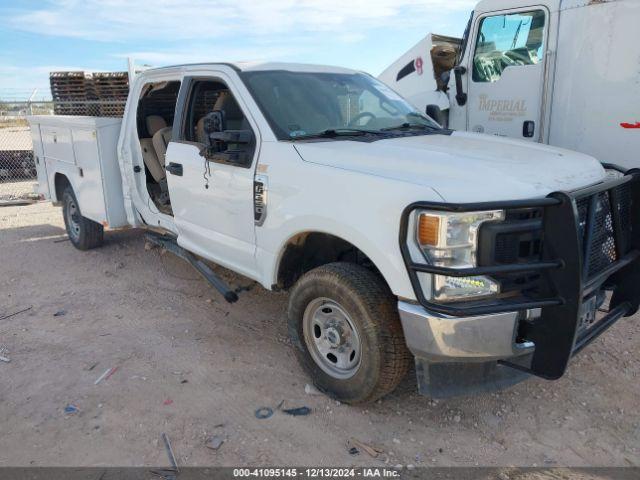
<point>359,209</point>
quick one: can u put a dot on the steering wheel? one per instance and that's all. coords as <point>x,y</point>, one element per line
<point>518,58</point>
<point>360,116</point>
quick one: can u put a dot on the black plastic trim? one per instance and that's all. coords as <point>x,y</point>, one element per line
<point>563,285</point>
<point>408,69</point>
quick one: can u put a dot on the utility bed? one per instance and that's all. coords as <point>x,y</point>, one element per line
<point>84,150</point>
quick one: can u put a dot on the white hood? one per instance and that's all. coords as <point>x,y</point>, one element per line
<point>463,167</point>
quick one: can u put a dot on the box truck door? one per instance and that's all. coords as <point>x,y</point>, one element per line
<point>506,73</point>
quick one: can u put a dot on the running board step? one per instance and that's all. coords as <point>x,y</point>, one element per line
<point>203,269</point>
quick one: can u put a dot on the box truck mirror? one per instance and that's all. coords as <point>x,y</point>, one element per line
<point>461,97</point>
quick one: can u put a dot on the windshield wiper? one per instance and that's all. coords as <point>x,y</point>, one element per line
<point>410,126</point>
<point>337,132</point>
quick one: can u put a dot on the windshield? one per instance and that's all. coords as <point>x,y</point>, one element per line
<point>302,104</point>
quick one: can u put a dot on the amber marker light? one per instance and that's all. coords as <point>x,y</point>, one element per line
<point>428,230</point>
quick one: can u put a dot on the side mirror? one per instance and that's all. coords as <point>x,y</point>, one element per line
<point>434,112</point>
<point>232,136</point>
<point>233,147</point>
<point>461,97</point>
<point>214,122</point>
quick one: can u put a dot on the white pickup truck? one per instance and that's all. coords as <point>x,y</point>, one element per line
<point>485,259</point>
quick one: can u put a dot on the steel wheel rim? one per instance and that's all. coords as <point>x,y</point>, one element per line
<point>73,215</point>
<point>332,338</point>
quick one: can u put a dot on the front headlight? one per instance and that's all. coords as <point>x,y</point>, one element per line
<point>451,240</point>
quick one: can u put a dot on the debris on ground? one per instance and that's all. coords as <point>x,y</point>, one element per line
<point>60,313</point>
<point>167,446</point>
<point>168,401</point>
<point>263,412</point>
<point>297,412</point>
<point>214,442</point>
<point>71,409</point>
<point>16,203</point>
<point>311,390</point>
<point>106,375</point>
<point>5,359</point>
<point>361,446</point>
<point>92,366</point>
<point>164,474</point>
<point>354,451</point>
<point>16,313</point>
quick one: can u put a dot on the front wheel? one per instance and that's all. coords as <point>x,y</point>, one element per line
<point>83,233</point>
<point>344,322</point>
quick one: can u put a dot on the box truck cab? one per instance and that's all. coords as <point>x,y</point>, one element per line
<point>561,72</point>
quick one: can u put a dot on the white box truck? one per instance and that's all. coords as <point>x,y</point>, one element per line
<point>484,260</point>
<point>560,72</point>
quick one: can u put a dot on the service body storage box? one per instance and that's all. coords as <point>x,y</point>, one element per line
<point>83,152</point>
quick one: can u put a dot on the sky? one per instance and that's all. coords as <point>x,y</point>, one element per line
<point>37,37</point>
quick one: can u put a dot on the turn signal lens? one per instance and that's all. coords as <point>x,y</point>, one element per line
<point>428,230</point>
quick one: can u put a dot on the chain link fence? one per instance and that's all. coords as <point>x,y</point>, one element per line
<point>17,165</point>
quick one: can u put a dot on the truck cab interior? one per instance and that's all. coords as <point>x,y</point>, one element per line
<point>155,113</point>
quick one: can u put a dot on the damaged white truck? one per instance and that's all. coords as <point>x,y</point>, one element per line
<point>484,260</point>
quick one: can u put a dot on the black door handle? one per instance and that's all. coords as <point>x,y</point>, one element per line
<point>174,169</point>
<point>461,97</point>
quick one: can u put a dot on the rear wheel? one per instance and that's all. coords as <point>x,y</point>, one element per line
<point>83,233</point>
<point>344,322</point>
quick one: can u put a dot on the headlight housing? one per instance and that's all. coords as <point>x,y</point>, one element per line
<point>450,239</point>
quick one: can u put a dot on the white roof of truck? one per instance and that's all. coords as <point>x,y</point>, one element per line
<point>493,5</point>
<point>261,66</point>
<point>554,5</point>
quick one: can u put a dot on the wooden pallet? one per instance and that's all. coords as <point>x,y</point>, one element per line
<point>111,85</point>
<point>106,92</point>
<point>71,86</point>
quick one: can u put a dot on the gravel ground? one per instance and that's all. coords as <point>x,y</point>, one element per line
<point>190,365</point>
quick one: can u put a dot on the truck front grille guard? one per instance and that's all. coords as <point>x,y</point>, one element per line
<point>583,248</point>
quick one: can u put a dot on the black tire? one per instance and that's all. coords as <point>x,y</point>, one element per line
<point>83,233</point>
<point>372,309</point>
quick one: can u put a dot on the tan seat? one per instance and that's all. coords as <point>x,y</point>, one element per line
<point>155,123</point>
<point>200,135</point>
<point>233,115</point>
<point>161,141</point>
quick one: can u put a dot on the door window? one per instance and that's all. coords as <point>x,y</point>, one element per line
<point>509,40</point>
<point>214,120</point>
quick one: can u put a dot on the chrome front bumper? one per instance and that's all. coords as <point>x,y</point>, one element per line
<point>440,338</point>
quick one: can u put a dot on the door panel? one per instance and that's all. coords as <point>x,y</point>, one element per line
<point>214,216</point>
<point>506,74</point>
<point>212,201</point>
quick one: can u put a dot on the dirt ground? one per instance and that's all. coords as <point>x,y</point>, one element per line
<point>192,366</point>
<point>22,189</point>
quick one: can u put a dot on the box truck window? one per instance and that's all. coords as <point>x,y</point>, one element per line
<point>507,41</point>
